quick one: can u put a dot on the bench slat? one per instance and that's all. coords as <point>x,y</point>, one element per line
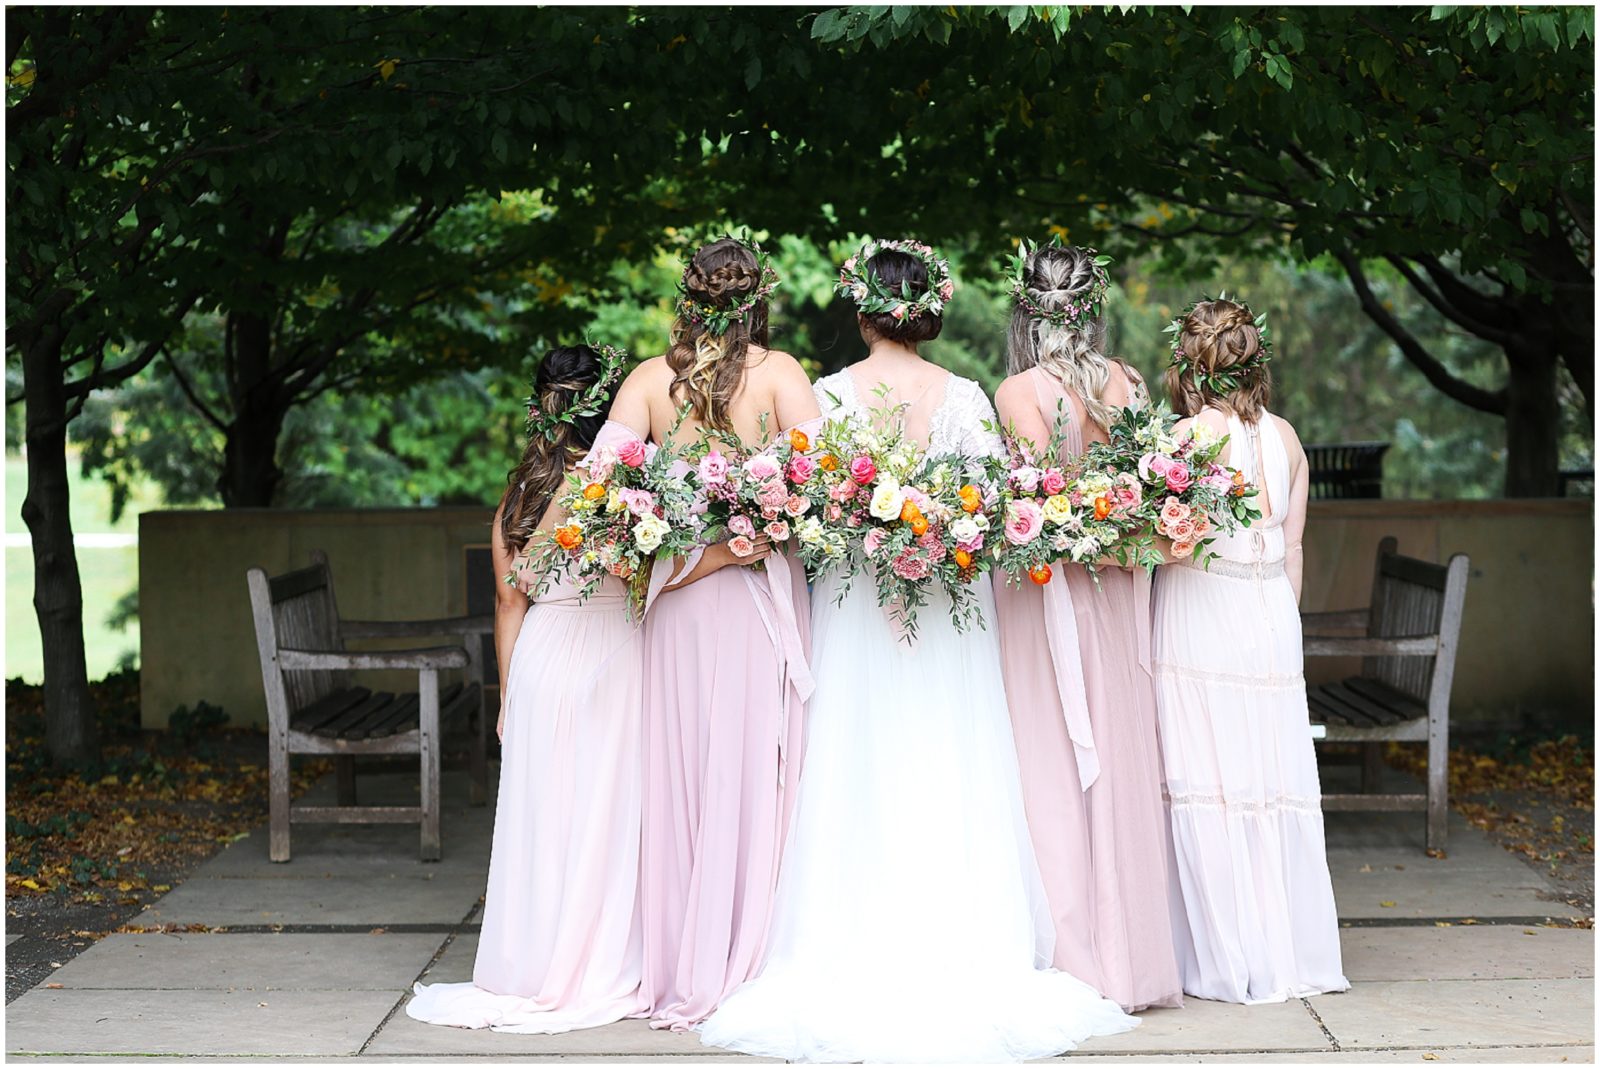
<point>1377,713</point>
<point>1353,713</point>
<point>298,583</point>
<point>399,717</point>
<point>356,714</point>
<point>1411,570</point>
<point>1404,705</point>
<point>325,709</point>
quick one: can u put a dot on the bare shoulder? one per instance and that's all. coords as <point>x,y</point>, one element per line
<point>1014,392</point>
<point>652,370</point>
<point>1122,385</point>
<point>1291,440</point>
<point>776,362</point>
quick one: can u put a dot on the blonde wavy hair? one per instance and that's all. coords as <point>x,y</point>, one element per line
<point>1072,353</point>
<point>708,368</point>
<point>1219,339</point>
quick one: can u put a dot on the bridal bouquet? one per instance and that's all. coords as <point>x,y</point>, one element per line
<point>775,491</point>
<point>625,506</point>
<point>1189,497</point>
<point>913,519</point>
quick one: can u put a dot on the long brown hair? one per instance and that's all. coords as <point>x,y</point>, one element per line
<point>563,374</point>
<point>707,367</point>
<point>1220,337</point>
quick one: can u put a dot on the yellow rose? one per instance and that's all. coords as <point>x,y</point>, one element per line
<point>1057,510</point>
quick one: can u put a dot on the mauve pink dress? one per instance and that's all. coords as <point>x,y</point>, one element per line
<point>560,946</point>
<point>1103,851</point>
<point>725,686</point>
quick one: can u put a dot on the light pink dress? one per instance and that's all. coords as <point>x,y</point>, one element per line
<point>1254,918</point>
<point>1092,781</point>
<point>560,946</point>
<point>727,679</point>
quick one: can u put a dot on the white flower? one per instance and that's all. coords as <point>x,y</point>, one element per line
<point>614,503</point>
<point>1091,485</point>
<point>1086,548</point>
<point>1204,435</point>
<point>1061,542</point>
<point>590,556</point>
<point>1166,443</point>
<point>649,531</point>
<point>810,531</point>
<point>981,520</point>
<point>887,501</point>
<point>964,529</point>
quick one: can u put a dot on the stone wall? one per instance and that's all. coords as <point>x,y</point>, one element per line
<point>1527,649</point>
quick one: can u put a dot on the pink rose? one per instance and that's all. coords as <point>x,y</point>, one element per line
<point>1183,531</point>
<point>1153,467</point>
<point>713,468</point>
<point>873,541</point>
<point>973,544</point>
<point>796,505</point>
<point>778,531</point>
<point>740,546</point>
<point>1025,480</point>
<point>769,512</point>
<point>844,491</point>
<point>910,566</point>
<point>1202,526</point>
<point>639,502</point>
<point>1053,482</point>
<point>1024,521</point>
<point>857,519</point>
<point>923,502</point>
<point>763,466</point>
<point>947,290</point>
<point>899,312</point>
<point>932,545</point>
<point>1173,511</point>
<point>631,453</point>
<point>773,495</point>
<point>850,264</point>
<point>863,470</point>
<point>833,512</point>
<point>801,469</point>
<point>1217,484</point>
<point>741,525</point>
<point>1182,549</point>
<point>1126,492</point>
<point>1178,478</point>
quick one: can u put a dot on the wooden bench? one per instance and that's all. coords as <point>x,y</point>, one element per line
<point>313,708</point>
<point>1402,692</point>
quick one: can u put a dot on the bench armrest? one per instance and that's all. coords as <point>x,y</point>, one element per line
<point>482,624</point>
<point>1337,620</point>
<point>1408,646</point>
<point>436,657</point>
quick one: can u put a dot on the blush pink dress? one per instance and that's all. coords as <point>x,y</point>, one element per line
<point>560,947</point>
<point>1091,780</point>
<point>725,664</point>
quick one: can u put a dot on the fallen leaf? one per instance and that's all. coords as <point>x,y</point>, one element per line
<point>376,931</point>
<point>1529,931</point>
<point>1365,868</point>
<point>57,964</point>
<point>262,1004</point>
<point>1386,904</point>
<point>1469,920</point>
<point>53,987</point>
<point>1430,1057</point>
<point>1443,924</point>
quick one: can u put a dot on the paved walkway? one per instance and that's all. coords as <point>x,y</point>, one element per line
<point>1449,961</point>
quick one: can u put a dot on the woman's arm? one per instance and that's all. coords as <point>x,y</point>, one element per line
<point>510,606</point>
<point>1019,415</point>
<point>1294,521</point>
<point>793,401</point>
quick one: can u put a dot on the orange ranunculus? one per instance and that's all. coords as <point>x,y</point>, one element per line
<point>1238,478</point>
<point>593,492</point>
<point>909,511</point>
<point>1102,507</point>
<point>798,441</point>
<point>963,558</point>
<point>569,537</point>
<point>919,525</point>
<point>971,498</point>
<point>1040,574</point>
<point>828,462</point>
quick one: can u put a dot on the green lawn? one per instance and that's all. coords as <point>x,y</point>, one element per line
<point>107,574</point>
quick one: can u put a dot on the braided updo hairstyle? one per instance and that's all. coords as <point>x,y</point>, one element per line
<point>1071,352</point>
<point>1216,336</point>
<point>895,269</point>
<point>563,374</point>
<point>707,367</point>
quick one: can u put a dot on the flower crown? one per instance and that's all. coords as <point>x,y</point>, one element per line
<point>716,320</point>
<point>1226,380</point>
<point>587,403</point>
<point>1080,308</point>
<point>874,297</point>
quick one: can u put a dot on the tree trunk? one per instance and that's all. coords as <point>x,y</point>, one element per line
<point>250,473</point>
<point>1533,421</point>
<point>71,732</point>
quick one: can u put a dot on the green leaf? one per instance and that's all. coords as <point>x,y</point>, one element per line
<point>1241,60</point>
<point>1016,15</point>
<point>752,72</point>
<point>827,26</point>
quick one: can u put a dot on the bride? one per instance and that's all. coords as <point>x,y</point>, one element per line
<point>910,922</point>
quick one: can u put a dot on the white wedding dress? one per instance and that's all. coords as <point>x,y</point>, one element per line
<point>910,921</point>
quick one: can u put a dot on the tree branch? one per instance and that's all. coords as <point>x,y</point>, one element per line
<point>1447,308</point>
<point>1477,397</point>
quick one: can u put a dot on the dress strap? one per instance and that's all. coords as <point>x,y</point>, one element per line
<point>1053,397</point>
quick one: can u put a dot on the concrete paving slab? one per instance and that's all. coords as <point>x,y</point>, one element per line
<point>402,1035</point>
<point>1201,1025</point>
<point>1420,887</point>
<point>1467,952</point>
<point>371,900</point>
<point>358,850</point>
<point>455,964</point>
<point>1417,1055</point>
<point>226,962</point>
<point>194,1022</point>
<point>1411,1013</point>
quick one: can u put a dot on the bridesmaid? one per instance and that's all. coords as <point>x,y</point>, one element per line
<point>1254,909</point>
<point>560,943</point>
<point>1077,670</point>
<point>725,657</point>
